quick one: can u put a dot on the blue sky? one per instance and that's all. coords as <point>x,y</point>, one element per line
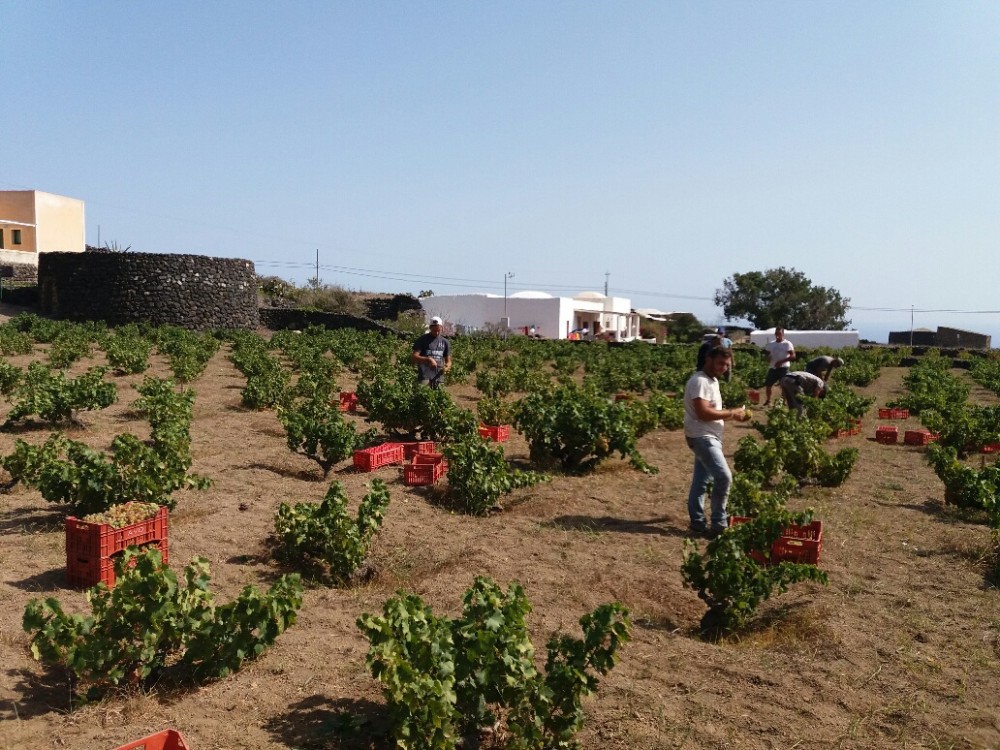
<point>440,145</point>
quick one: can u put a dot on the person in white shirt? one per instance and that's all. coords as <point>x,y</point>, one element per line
<point>780,354</point>
<point>704,419</point>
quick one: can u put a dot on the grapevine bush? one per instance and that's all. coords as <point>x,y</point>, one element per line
<point>54,398</point>
<point>578,427</point>
<point>728,579</point>
<point>323,539</point>
<point>478,475</point>
<point>152,619</point>
<point>444,678</point>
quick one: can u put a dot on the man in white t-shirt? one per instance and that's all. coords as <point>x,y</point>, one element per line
<point>704,419</point>
<point>780,354</point>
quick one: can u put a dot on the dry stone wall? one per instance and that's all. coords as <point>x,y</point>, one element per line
<point>192,291</point>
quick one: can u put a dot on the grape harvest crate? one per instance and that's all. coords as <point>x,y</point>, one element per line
<point>887,435</point>
<point>92,547</point>
<point>168,739</point>
<point>426,468</point>
<point>797,543</point>
<point>413,447</point>
<point>851,431</point>
<point>753,396</point>
<point>370,459</point>
<point>348,401</point>
<point>498,433</point>
<point>919,437</point>
<point>83,573</point>
<point>990,448</point>
<point>893,413</point>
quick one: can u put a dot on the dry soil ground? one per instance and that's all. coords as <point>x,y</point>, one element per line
<point>900,650</point>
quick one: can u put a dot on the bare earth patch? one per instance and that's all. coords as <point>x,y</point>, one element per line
<point>901,650</point>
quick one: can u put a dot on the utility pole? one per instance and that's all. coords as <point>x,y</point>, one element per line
<point>606,274</point>
<point>508,275</point>
<point>317,268</point>
<point>911,326</point>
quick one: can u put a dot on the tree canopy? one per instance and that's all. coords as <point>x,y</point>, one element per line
<point>782,297</point>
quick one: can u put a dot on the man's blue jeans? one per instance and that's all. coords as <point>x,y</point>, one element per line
<point>709,464</point>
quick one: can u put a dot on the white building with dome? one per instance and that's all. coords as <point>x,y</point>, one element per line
<point>552,317</point>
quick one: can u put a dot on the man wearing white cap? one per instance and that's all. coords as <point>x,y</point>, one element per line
<point>432,355</point>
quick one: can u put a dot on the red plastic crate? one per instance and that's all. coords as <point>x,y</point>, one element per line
<point>851,431</point>
<point>753,397</point>
<point>887,435</point>
<point>426,468</point>
<point>370,459</point>
<point>893,413</point>
<point>990,448</point>
<point>414,447</point>
<point>348,401</point>
<point>798,544</point>
<point>99,540</point>
<point>82,572</point>
<point>168,739</point>
<point>918,437</point>
<point>498,433</point>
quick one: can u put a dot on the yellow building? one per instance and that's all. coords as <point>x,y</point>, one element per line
<point>33,222</point>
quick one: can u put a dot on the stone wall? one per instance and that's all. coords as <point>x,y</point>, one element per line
<point>192,291</point>
<point>389,307</point>
<point>278,319</point>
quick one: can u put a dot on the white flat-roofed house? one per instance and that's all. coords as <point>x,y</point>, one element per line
<point>552,317</point>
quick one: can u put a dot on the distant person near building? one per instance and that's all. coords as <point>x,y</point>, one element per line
<point>432,355</point>
<point>796,384</point>
<point>823,366</point>
<point>780,354</point>
<point>704,420</point>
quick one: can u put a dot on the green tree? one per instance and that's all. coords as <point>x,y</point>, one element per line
<point>685,328</point>
<point>782,297</point>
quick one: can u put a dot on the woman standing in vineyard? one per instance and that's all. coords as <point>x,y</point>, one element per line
<point>704,419</point>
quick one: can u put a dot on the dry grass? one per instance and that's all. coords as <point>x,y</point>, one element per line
<point>901,650</point>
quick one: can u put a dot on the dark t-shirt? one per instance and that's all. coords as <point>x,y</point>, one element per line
<point>437,347</point>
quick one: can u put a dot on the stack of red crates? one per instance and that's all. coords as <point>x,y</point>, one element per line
<point>412,448</point>
<point>887,435</point>
<point>919,437</point>
<point>348,401</point>
<point>797,544</point>
<point>426,468</point>
<point>370,459</point>
<point>91,548</point>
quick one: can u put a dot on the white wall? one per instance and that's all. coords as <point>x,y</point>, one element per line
<point>810,339</point>
<point>476,311</point>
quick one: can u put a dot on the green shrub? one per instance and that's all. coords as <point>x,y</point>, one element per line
<point>151,620</point>
<point>323,539</point>
<point>730,582</point>
<point>478,475</point>
<point>578,427</point>
<point>444,678</point>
